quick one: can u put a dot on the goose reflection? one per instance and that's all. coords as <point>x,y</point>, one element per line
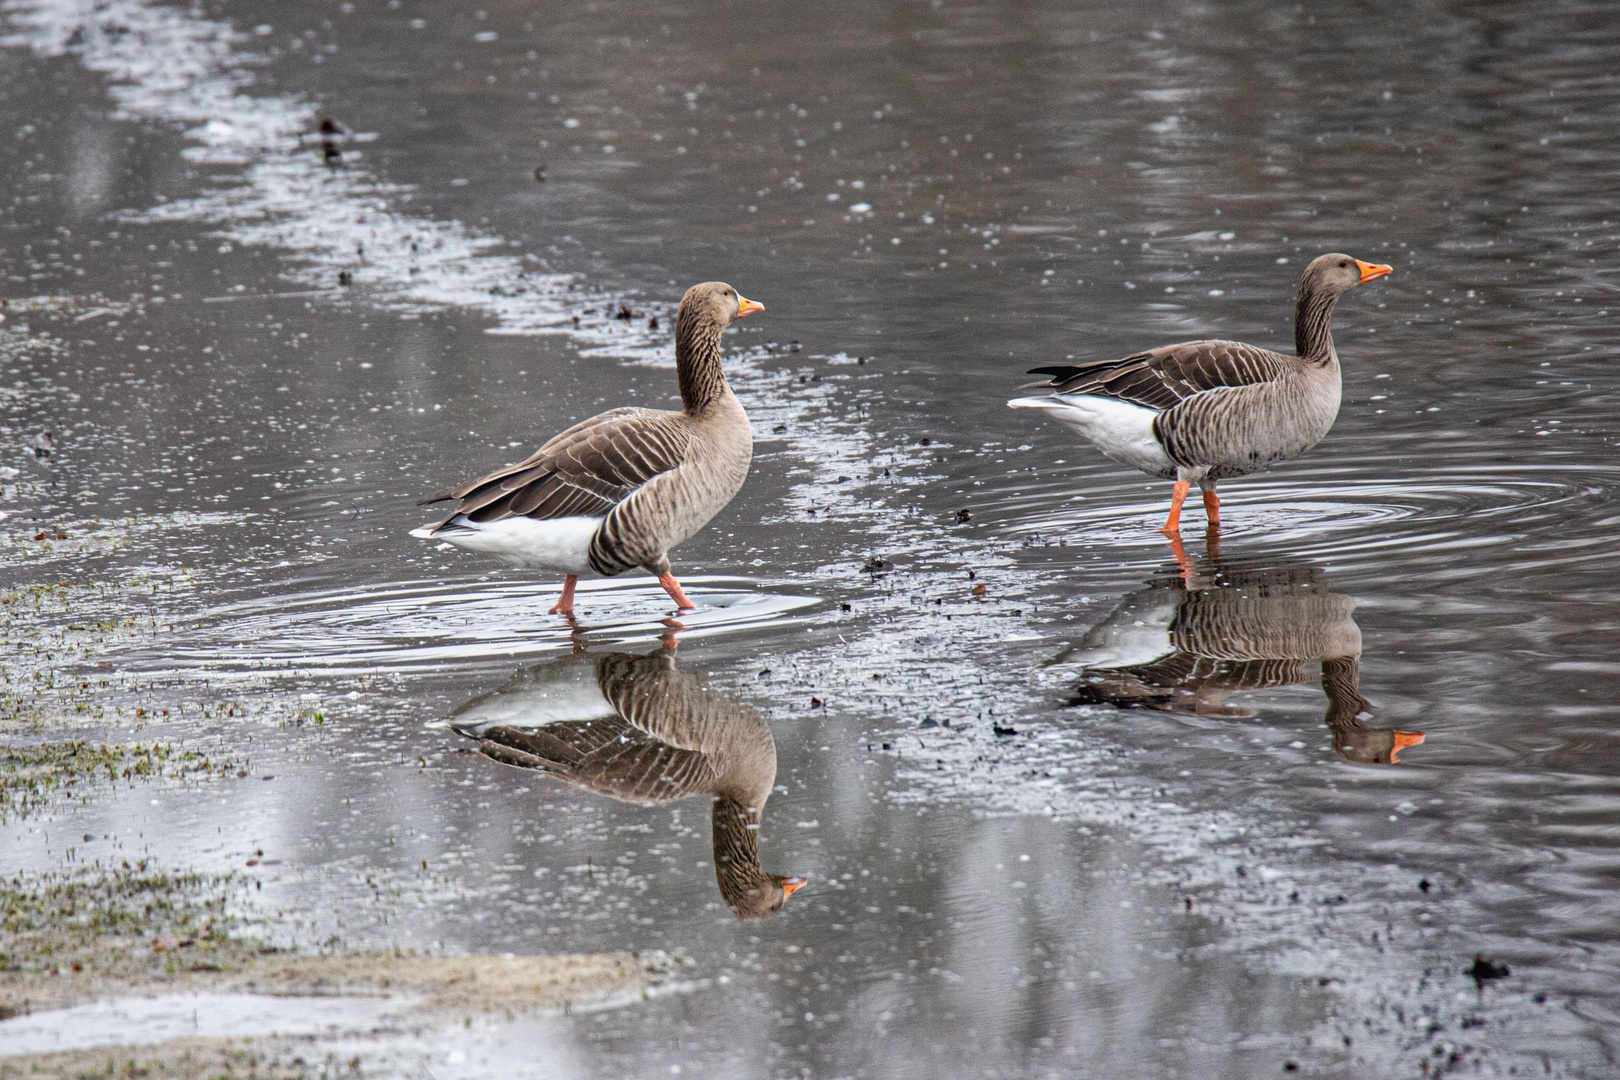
<point>637,729</point>
<point>1194,636</point>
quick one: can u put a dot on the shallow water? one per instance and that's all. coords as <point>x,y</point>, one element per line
<point>1002,882</point>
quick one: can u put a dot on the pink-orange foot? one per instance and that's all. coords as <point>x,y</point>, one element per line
<point>1172,527</point>
<point>673,587</point>
<point>1212,508</point>
<point>565,603</point>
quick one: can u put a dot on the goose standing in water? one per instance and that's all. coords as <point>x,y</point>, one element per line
<point>1193,637</point>
<point>1204,411</point>
<point>621,489</point>
<point>636,729</point>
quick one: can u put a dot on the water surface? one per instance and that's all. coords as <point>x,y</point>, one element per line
<point>1010,874</point>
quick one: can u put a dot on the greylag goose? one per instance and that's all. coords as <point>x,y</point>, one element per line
<point>621,489</point>
<point>636,729</point>
<point>1204,411</point>
<point>1195,636</point>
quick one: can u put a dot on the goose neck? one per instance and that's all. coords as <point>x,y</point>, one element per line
<point>697,361</point>
<point>736,842</point>
<point>1313,338</point>
<point>1341,682</point>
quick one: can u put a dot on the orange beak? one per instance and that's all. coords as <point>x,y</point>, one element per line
<point>1403,739</point>
<point>1373,271</point>
<point>748,307</point>
<point>792,885</point>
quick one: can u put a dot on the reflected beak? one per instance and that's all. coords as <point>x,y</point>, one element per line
<point>792,885</point>
<point>1373,271</point>
<point>1403,739</point>
<point>748,307</point>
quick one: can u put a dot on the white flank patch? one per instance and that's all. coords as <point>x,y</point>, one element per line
<point>552,694</point>
<point>1134,634</point>
<point>560,544</point>
<point>1119,429</point>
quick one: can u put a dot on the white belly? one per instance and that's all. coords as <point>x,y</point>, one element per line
<point>1119,429</point>
<point>561,545</point>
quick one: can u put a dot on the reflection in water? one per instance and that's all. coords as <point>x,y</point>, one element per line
<point>1196,635</point>
<point>636,729</point>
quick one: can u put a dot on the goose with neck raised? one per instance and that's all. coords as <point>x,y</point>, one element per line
<point>1204,411</point>
<point>621,489</point>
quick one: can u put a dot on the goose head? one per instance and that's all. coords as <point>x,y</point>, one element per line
<point>717,303</point>
<point>1336,273</point>
<point>757,895</point>
<point>1373,746</point>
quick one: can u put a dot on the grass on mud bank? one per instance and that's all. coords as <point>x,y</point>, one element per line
<point>33,777</point>
<point>93,934</point>
<point>85,933</point>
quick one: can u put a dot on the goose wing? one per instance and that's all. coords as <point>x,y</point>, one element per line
<point>1161,378</point>
<point>585,471</point>
<point>607,755</point>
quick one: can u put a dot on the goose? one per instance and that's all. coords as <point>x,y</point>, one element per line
<point>1194,636</point>
<point>1205,411</point>
<point>636,729</point>
<point>621,489</point>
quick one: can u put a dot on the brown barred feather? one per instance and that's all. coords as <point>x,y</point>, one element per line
<point>587,470</point>
<point>1163,377</point>
<point>605,755</point>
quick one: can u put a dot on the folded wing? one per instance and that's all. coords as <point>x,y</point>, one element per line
<point>1162,377</point>
<point>585,471</point>
<point>605,755</point>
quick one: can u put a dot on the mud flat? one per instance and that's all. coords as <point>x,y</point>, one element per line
<point>385,996</point>
<point>117,963</point>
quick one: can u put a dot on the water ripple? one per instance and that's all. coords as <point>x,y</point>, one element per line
<point>420,626</point>
<point>1345,514</point>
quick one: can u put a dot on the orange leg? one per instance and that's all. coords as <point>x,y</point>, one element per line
<point>1212,508</point>
<point>565,603</point>
<point>673,587</point>
<point>1189,569</point>
<point>1172,527</point>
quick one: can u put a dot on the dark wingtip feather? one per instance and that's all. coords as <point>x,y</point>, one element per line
<point>438,496</point>
<point>1057,371</point>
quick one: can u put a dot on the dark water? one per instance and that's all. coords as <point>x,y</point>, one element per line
<point>1010,875</point>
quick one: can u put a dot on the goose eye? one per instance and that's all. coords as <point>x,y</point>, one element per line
<point>1344,264</point>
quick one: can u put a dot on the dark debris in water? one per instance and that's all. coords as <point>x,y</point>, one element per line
<point>1485,970</point>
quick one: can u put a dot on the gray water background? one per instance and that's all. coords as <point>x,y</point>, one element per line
<point>1076,181</point>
